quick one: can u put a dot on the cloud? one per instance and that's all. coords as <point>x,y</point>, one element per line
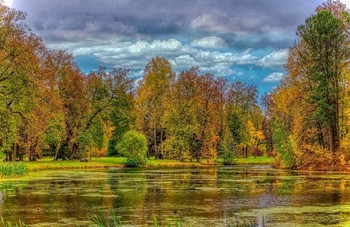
<point>273,77</point>
<point>209,42</point>
<point>275,60</point>
<point>184,60</point>
<point>135,55</point>
<point>79,20</point>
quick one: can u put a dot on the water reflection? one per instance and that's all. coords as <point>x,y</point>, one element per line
<point>211,196</point>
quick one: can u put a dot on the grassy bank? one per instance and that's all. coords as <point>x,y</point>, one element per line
<point>252,161</point>
<point>49,164</point>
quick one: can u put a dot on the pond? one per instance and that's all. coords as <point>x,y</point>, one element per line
<point>197,196</point>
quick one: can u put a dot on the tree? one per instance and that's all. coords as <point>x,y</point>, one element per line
<point>307,111</point>
<point>152,91</point>
<point>240,105</point>
<point>326,51</point>
<point>208,121</point>
<point>122,113</point>
<point>180,116</point>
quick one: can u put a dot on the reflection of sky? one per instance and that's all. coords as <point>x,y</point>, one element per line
<point>240,40</point>
<point>197,196</point>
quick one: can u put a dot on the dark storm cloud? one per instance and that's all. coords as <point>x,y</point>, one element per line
<point>82,19</point>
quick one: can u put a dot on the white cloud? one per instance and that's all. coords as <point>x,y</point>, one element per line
<point>275,60</point>
<point>135,55</point>
<point>209,42</point>
<point>170,44</point>
<point>230,58</point>
<point>184,60</point>
<point>273,77</point>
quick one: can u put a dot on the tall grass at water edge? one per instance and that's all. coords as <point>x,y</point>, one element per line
<point>13,169</point>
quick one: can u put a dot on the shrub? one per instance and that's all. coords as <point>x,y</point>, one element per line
<point>133,145</point>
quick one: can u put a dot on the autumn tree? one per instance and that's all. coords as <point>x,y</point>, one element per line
<point>207,115</point>
<point>150,108</point>
<point>19,74</point>
<point>180,116</point>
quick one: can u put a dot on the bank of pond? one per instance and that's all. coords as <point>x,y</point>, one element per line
<point>19,169</point>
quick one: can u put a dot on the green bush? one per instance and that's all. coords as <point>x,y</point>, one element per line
<point>133,145</point>
<point>13,169</point>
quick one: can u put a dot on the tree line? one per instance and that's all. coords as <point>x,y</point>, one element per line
<point>49,107</point>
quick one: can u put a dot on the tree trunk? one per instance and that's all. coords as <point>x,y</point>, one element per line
<point>15,151</point>
<point>256,148</point>
<point>58,146</point>
<point>331,139</point>
<point>155,143</point>
<point>161,144</point>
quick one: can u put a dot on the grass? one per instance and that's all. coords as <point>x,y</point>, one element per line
<point>13,169</point>
<point>9,224</point>
<point>49,164</point>
<point>262,160</point>
<point>17,169</point>
<point>100,219</point>
<point>173,163</point>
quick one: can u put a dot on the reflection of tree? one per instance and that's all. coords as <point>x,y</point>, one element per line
<point>208,195</point>
<point>186,193</point>
<point>129,187</point>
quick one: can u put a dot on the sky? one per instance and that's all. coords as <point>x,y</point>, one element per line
<point>239,40</point>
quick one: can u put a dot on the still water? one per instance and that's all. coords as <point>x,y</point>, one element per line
<point>198,197</point>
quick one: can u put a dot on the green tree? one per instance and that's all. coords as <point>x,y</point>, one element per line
<point>241,107</point>
<point>325,53</point>
<point>122,113</point>
<point>228,147</point>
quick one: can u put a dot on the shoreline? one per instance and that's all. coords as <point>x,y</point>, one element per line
<point>119,162</point>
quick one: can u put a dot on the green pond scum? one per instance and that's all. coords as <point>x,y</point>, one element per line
<point>254,195</point>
